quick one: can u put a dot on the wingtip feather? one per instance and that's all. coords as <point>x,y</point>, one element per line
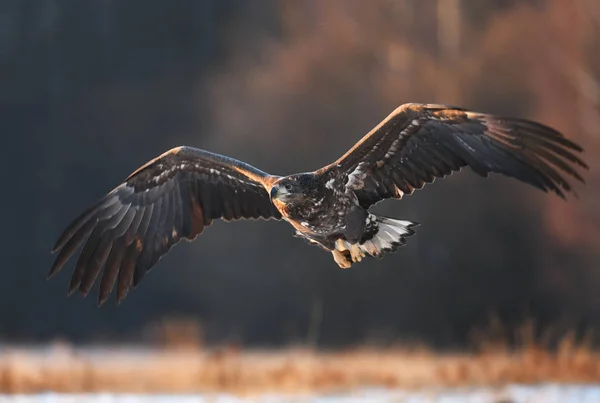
<point>71,290</point>
<point>102,298</point>
<point>53,270</point>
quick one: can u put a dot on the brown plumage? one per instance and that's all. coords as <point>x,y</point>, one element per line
<point>176,195</point>
<point>418,143</point>
<point>172,197</point>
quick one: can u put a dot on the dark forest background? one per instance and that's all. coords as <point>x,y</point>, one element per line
<point>90,90</point>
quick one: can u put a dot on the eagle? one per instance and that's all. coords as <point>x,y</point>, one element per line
<point>179,193</point>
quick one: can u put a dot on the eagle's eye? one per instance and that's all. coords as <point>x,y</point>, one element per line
<point>288,186</point>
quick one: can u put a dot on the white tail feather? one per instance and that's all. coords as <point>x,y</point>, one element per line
<point>390,235</point>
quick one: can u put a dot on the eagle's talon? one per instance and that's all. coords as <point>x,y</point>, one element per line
<point>356,253</point>
<point>341,259</point>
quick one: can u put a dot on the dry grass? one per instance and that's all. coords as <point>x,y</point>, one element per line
<point>64,369</point>
<point>180,363</point>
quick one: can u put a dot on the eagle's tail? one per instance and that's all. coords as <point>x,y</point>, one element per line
<point>383,235</point>
<point>390,236</point>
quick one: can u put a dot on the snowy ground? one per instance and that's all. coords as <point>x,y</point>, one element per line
<point>510,394</point>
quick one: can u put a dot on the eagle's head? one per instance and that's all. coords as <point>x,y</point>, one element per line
<point>295,189</point>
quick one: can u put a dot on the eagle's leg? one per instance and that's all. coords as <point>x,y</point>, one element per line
<point>341,259</point>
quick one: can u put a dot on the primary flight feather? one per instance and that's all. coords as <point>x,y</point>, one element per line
<point>176,195</point>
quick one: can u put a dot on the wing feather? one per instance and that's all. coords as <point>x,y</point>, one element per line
<point>172,197</point>
<point>111,270</point>
<point>102,208</point>
<point>418,143</point>
<point>178,218</point>
<point>100,255</point>
<point>125,276</point>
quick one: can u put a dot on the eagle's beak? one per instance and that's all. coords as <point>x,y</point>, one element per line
<point>278,192</point>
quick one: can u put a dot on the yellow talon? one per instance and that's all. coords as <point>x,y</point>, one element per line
<point>356,253</point>
<point>340,259</point>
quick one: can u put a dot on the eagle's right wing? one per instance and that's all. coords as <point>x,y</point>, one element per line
<point>171,197</point>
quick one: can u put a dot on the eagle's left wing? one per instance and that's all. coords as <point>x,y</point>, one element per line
<point>420,142</point>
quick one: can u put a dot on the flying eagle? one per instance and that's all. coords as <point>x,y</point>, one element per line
<point>176,195</point>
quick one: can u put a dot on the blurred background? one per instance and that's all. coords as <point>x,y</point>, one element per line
<point>91,90</point>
